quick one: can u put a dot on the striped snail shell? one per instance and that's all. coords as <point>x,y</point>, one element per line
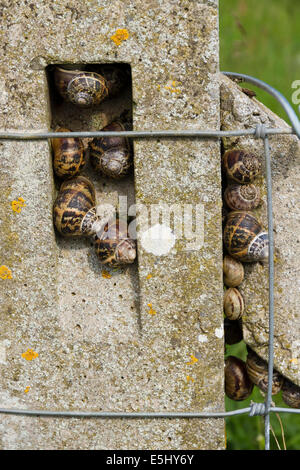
<point>233,304</point>
<point>238,385</point>
<point>80,87</point>
<point>245,197</point>
<point>291,394</point>
<point>113,245</point>
<point>233,271</point>
<point>244,237</point>
<point>68,155</point>
<point>257,369</point>
<point>240,166</point>
<point>74,211</point>
<point>233,332</point>
<point>111,156</point>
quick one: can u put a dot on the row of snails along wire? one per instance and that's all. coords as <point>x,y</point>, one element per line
<point>75,210</point>
<point>244,241</point>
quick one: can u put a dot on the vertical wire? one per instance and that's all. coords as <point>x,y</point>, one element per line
<point>271,291</point>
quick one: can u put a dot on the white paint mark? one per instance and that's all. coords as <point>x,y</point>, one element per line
<point>202,339</point>
<point>158,239</point>
<point>219,332</point>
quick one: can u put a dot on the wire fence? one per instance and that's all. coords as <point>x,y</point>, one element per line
<point>259,132</point>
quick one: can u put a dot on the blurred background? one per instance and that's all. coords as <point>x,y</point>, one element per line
<point>261,38</point>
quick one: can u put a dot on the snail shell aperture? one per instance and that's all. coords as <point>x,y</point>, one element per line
<point>244,237</point>
<point>240,166</point>
<point>244,197</point>
<point>257,369</point>
<point>238,385</point>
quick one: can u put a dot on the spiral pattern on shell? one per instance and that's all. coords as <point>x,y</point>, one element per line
<point>244,237</point>
<point>113,245</point>
<point>291,394</point>
<point>233,304</point>
<point>244,197</point>
<point>233,271</point>
<point>68,155</point>
<point>75,198</point>
<point>238,385</point>
<point>240,166</point>
<point>257,369</point>
<point>111,156</point>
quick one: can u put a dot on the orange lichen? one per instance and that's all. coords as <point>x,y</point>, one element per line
<point>30,354</point>
<point>17,205</point>
<point>119,36</point>
<point>149,276</point>
<point>193,360</point>
<point>106,274</point>
<point>189,379</point>
<point>26,389</point>
<point>294,360</point>
<point>5,272</point>
<point>172,87</point>
<point>151,311</point>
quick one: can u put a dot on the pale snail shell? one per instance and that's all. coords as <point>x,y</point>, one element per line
<point>233,271</point>
<point>257,369</point>
<point>291,394</point>
<point>80,87</point>
<point>68,155</point>
<point>238,385</point>
<point>241,166</point>
<point>233,304</point>
<point>244,237</point>
<point>244,197</point>
<point>74,211</point>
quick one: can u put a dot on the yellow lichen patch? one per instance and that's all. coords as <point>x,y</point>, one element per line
<point>30,354</point>
<point>189,379</point>
<point>119,36</point>
<point>172,86</point>
<point>17,205</point>
<point>151,311</point>
<point>149,276</point>
<point>106,274</point>
<point>294,360</point>
<point>193,360</point>
<point>26,389</point>
<point>5,272</point>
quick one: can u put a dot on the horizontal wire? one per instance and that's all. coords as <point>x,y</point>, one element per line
<point>29,135</point>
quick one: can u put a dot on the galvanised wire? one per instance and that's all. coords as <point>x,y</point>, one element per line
<point>260,132</point>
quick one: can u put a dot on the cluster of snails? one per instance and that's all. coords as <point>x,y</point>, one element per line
<point>245,241</point>
<point>241,376</point>
<point>75,211</point>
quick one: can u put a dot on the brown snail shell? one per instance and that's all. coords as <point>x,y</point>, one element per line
<point>111,156</point>
<point>291,394</point>
<point>238,385</point>
<point>245,197</point>
<point>257,369</point>
<point>113,245</point>
<point>74,211</point>
<point>233,271</point>
<point>80,87</point>
<point>233,304</point>
<point>244,237</point>
<point>68,155</point>
<point>240,166</point>
<point>232,331</point>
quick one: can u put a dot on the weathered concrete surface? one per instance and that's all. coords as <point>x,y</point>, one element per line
<point>239,111</point>
<point>96,349</point>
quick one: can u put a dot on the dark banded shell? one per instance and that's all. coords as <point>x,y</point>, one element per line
<point>111,156</point>
<point>244,238</point>
<point>238,385</point>
<point>291,394</point>
<point>233,304</point>
<point>113,245</point>
<point>75,199</point>
<point>81,88</point>
<point>257,369</point>
<point>240,166</point>
<point>68,155</point>
<point>244,197</point>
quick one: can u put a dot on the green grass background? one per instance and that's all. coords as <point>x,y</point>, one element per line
<point>261,38</point>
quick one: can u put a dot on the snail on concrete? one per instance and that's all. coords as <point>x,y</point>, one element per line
<point>291,394</point>
<point>111,156</point>
<point>257,369</point>
<point>240,166</point>
<point>238,385</point>
<point>233,271</point>
<point>233,304</point>
<point>245,197</point>
<point>244,237</point>
<point>68,155</point>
